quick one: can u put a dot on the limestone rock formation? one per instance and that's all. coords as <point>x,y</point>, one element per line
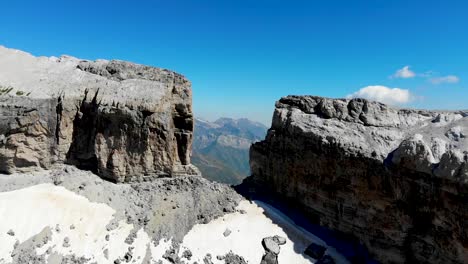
<point>396,179</point>
<point>115,118</point>
<point>272,249</point>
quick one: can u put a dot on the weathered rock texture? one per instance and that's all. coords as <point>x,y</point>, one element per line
<point>272,249</point>
<point>396,179</point>
<point>115,118</point>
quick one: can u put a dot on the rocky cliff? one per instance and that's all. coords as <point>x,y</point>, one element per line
<point>115,118</point>
<point>396,179</point>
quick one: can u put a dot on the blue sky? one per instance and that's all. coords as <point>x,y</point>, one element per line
<point>242,56</point>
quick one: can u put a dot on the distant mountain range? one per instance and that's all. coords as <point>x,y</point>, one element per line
<point>221,148</point>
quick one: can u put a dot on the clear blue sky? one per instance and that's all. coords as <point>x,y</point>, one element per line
<point>242,56</point>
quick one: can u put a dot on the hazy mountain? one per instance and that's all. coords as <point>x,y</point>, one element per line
<point>221,148</point>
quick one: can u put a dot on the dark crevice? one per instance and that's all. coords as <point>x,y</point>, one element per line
<point>58,111</point>
<point>183,123</point>
<point>182,144</point>
<point>81,152</point>
<point>146,114</point>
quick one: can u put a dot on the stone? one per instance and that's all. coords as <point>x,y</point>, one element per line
<point>226,232</point>
<point>272,249</point>
<point>279,240</point>
<point>129,255</point>
<point>232,258</point>
<point>66,242</point>
<point>11,233</point>
<point>455,133</point>
<point>123,121</point>
<point>394,179</point>
<point>269,244</point>
<point>187,254</point>
<point>171,254</point>
<point>207,259</point>
<point>414,153</point>
<point>269,258</point>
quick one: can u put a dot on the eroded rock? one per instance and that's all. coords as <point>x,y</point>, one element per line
<point>396,179</point>
<point>123,121</point>
<point>272,249</point>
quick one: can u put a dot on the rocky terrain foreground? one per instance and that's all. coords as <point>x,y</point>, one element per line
<point>66,215</point>
<point>394,179</point>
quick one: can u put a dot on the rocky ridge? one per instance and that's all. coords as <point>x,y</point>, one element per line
<point>115,118</point>
<point>396,179</point>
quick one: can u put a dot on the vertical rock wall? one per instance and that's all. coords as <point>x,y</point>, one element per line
<point>121,120</point>
<point>395,179</point>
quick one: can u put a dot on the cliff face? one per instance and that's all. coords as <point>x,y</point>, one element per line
<point>396,179</point>
<point>115,118</point>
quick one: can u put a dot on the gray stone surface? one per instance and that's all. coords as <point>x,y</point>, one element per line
<point>271,245</point>
<point>272,249</point>
<point>396,179</point>
<point>232,258</point>
<point>165,208</point>
<point>124,121</point>
<point>25,252</point>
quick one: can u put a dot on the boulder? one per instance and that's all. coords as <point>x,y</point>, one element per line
<point>272,249</point>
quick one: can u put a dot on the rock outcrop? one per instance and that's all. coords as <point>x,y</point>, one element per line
<point>115,118</point>
<point>272,249</point>
<point>396,179</point>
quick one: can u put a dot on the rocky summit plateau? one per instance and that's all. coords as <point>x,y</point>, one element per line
<point>396,180</point>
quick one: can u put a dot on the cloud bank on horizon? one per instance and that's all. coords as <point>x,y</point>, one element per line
<point>392,96</point>
<point>400,96</point>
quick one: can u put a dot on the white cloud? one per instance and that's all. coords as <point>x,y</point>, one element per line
<point>445,79</point>
<point>404,73</point>
<point>392,96</point>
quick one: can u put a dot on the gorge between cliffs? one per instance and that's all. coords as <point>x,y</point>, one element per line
<point>96,163</point>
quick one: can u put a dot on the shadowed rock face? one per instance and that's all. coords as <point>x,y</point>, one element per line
<point>396,179</point>
<point>115,118</point>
